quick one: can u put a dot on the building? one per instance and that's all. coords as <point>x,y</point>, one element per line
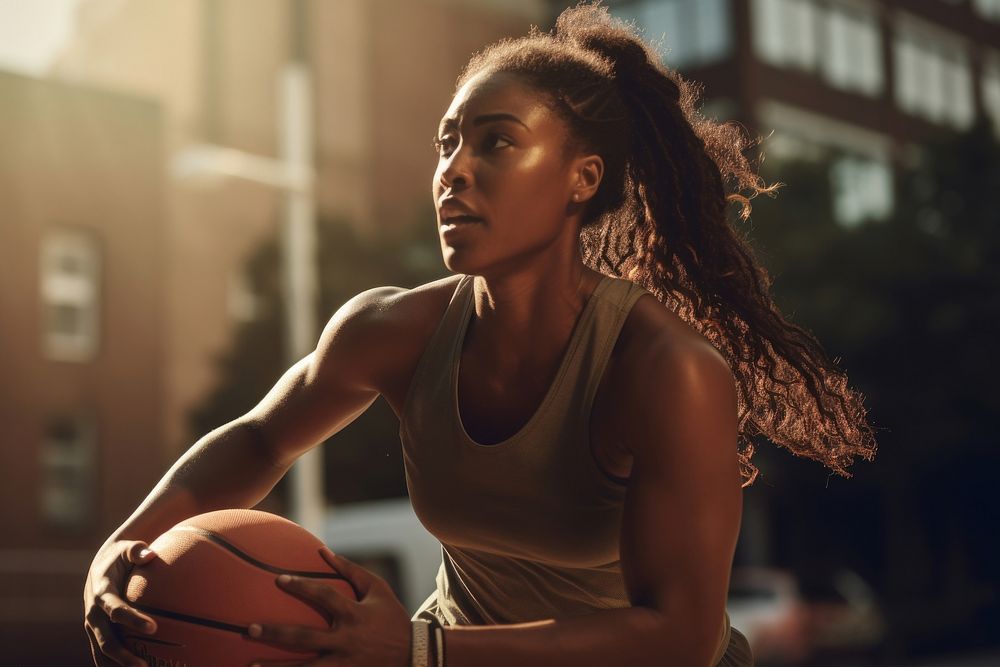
<point>82,312</point>
<point>860,82</point>
<point>121,283</point>
<point>382,74</point>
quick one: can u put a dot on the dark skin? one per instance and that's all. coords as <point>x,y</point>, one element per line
<point>664,415</point>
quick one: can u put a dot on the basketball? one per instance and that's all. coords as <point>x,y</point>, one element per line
<point>213,576</point>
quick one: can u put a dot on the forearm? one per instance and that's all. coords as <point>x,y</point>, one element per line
<point>228,467</point>
<point>633,636</point>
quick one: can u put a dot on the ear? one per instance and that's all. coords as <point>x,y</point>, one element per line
<point>586,173</point>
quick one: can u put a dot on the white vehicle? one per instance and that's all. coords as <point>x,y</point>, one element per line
<point>386,537</point>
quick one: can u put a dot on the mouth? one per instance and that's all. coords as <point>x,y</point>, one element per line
<point>455,220</point>
<point>460,220</point>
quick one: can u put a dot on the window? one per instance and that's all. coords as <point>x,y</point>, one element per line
<point>860,171</point>
<point>69,281</point>
<point>68,453</point>
<point>933,76</point>
<point>840,41</point>
<point>861,188</point>
<point>988,8</point>
<point>991,88</point>
<point>785,32</point>
<point>853,59</point>
<point>693,32</point>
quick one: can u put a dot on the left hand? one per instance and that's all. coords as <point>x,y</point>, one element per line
<point>373,631</point>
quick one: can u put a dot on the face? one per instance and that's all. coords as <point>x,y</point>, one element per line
<point>504,183</point>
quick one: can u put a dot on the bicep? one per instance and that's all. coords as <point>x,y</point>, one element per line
<point>331,386</point>
<point>684,501</point>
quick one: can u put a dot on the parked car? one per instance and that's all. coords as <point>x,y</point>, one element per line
<point>838,617</point>
<point>386,537</point>
<point>764,604</point>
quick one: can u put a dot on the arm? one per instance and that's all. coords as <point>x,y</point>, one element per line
<point>237,464</point>
<point>679,532</point>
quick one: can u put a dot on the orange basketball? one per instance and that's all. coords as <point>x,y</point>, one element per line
<point>213,576</point>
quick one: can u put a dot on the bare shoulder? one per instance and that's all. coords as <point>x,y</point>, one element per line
<point>389,326</point>
<point>664,365</point>
<point>387,310</point>
<point>653,332</point>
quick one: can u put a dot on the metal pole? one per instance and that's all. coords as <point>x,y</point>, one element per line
<point>300,275</point>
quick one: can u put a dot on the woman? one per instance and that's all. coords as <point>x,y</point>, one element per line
<point>576,403</point>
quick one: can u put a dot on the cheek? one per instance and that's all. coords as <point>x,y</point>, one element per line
<point>535,188</point>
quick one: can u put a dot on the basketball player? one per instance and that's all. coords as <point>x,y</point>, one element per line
<point>576,402</point>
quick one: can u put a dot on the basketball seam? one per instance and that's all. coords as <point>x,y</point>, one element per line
<point>236,551</point>
<point>197,620</point>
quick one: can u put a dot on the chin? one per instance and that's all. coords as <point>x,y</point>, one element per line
<point>457,262</point>
<point>460,259</point>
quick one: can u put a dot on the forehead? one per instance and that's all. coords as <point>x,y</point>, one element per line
<point>498,92</point>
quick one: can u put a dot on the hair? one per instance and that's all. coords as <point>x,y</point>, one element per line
<point>659,219</point>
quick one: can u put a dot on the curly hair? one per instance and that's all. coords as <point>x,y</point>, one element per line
<point>659,218</point>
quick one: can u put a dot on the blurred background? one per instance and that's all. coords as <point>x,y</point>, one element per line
<point>190,188</point>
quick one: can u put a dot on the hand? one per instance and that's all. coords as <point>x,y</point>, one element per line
<point>104,604</point>
<point>373,631</point>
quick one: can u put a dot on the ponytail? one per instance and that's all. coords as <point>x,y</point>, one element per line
<point>659,219</point>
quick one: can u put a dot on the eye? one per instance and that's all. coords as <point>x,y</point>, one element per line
<point>491,140</point>
<point>442,144</point>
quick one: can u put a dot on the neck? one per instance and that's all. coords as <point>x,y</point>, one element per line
<point>527,316</point>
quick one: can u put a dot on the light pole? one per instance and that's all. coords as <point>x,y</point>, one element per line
<point>294,175</point>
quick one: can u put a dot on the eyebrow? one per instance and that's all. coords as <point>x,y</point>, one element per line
<point>449,123</point>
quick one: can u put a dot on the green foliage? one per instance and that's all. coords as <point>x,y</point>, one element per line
<point>911,303</point>
<point>363,461</point>
<point>912,307</point>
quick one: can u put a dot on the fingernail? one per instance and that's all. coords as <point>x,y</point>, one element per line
<point>284,579</point>
<point>144,553</point>
<point>254,630</point>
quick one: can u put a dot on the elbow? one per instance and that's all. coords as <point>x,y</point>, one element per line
<point>680,640</point>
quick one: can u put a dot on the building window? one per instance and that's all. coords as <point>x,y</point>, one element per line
<point>68,458</point>
<point>692,32</point>
<point>70,295</point>
<point>853,59</point>
<point>991,89</point>
<point>785,32</point>
<point>860,168</point>
<point>988,8</point>
<point>841,42</point>
<point>933,75</point>
<point>861,188</point>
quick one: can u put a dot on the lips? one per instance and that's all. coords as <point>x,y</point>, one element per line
<point>455,212</point>
<point>459,219</point>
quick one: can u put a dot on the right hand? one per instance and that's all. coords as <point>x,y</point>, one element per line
<point>104,604</point>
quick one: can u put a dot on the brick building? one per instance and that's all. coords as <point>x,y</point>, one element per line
<point>382,74</point>
<point>858,82</point>
<point>82,353</point>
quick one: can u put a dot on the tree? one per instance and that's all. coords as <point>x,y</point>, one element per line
<point>912,306</point>
<point>364,460</point>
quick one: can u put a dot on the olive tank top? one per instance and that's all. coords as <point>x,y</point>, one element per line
<point>529,527</point>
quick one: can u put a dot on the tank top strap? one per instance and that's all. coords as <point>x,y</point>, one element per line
<point>426,385</point>
<point>613,308</point>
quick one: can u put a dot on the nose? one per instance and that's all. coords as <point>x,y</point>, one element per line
<point>456,172</point>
